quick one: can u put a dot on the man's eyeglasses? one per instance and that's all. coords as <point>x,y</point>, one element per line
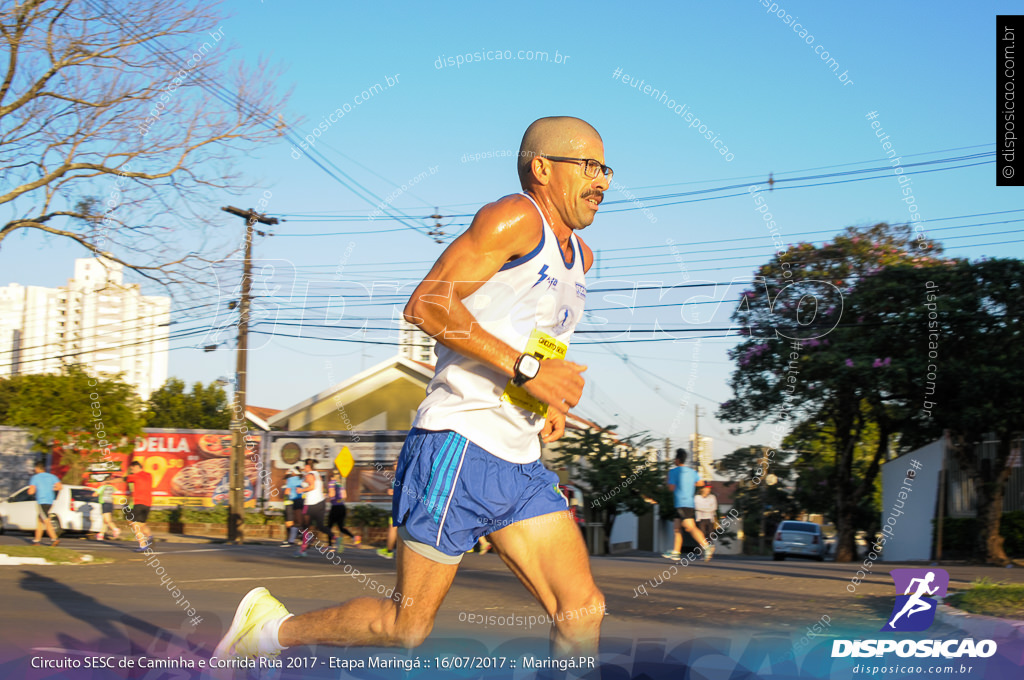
<point>591,166</point>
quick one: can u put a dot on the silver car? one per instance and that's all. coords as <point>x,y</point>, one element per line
<point>798,539</point>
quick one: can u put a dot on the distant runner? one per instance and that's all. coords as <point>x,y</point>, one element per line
<point>682,482</point>
<point>142,500</point>
<point>314,506</point>
<point>292,505</point>
<point>44,486</point>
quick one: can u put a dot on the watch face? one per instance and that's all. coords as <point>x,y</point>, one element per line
<point>529,366</point>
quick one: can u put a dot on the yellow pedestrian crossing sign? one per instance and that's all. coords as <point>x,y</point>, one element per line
<point>344,462</point>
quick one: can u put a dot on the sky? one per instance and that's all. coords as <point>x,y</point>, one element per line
<point>447,127</point>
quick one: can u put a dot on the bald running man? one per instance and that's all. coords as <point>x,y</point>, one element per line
<point>471,463</point>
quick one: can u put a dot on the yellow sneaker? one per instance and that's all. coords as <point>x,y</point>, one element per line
<point>243,637</point>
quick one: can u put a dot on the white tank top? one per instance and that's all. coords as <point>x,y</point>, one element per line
<point>316,494</point>
<point>539,290</point>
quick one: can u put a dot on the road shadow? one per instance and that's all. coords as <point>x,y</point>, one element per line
<point>85,608</point>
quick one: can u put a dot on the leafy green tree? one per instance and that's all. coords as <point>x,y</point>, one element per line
<point>83,416</point>
<point>204,408</point>
<point>815,462</point>
<point>801,365</point>
<point>764,493</point>
<point>955,334</point>
<point>615,475</point>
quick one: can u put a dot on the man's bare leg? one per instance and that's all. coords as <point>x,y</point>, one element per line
<point>677,540</point>
<point>548,555</point>
<point>422,583</point>
<point>42,524</point>
<point>698,535</point>
<point>140,531</point>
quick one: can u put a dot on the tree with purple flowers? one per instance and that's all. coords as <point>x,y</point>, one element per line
<point>805,361</point>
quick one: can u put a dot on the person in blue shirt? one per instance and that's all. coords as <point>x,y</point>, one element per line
<point>682,482</point>
<point>44,487</point>
<point>292,505</point>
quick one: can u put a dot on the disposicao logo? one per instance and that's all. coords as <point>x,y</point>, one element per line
<point>914,610</point>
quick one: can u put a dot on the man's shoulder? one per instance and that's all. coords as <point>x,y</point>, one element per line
<point>511,216</point>
<point>514,202</point>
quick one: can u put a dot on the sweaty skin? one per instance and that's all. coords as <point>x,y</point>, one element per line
<point>548,557</point>
<point>503,231</point>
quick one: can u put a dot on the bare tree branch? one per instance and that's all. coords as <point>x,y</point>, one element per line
<point>116,119</point>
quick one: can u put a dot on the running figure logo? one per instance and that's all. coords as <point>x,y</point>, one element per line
<point>915,608</point>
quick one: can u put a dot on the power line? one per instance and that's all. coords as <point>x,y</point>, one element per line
<point>886,170</point>
<point>234,99</point>
<point>405,265</point>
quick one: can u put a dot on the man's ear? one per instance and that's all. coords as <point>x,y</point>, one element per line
<point>541,171</point>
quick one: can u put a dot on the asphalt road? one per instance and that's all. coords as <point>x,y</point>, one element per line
<point>123,609</point>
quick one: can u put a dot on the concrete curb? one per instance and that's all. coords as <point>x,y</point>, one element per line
<point>981,627</point>
<point>8,561</point>
<point>11,561</point>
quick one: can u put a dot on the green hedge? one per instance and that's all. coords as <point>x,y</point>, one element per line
<point>364,515</point>
<point>361,515</point>
<point>214,515</point>
<point>959,534</point>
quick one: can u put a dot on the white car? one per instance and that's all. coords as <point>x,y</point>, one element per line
<point>798,539</point>
<point>75,509</point>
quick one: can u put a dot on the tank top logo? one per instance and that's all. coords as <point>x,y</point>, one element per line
<point>542,276</point>
<point>565,319</point>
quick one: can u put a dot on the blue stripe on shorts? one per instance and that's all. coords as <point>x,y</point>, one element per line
<point>449,492</point>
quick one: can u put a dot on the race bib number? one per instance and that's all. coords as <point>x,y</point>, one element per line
<point>542,346</point>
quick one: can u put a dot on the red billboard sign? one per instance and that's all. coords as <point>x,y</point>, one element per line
<point>188,468</point>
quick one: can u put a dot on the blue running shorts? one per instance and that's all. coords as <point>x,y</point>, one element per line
<point>449,492</point>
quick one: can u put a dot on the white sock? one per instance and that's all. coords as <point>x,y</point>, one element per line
<point>268,640</point>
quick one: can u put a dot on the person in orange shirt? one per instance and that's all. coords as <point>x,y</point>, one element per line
<point>142,499</point>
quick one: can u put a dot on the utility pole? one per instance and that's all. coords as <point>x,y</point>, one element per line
<point>696,436</point>
<point>236,475</point>
<point>941,509</point>
<point>762,463</point>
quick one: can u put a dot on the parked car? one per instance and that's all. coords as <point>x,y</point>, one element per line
<point>75,509</point>
<point>798,539</point>
<point>574,496</point>
<point>860,540</point>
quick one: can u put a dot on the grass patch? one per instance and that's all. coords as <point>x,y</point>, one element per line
<point>52,555</point>
<point>1005,600</point>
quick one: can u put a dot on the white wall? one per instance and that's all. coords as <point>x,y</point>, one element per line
<point>907,521</point>
<point>624,531</point>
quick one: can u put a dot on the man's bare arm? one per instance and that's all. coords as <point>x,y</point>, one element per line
<point>500,232</point>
